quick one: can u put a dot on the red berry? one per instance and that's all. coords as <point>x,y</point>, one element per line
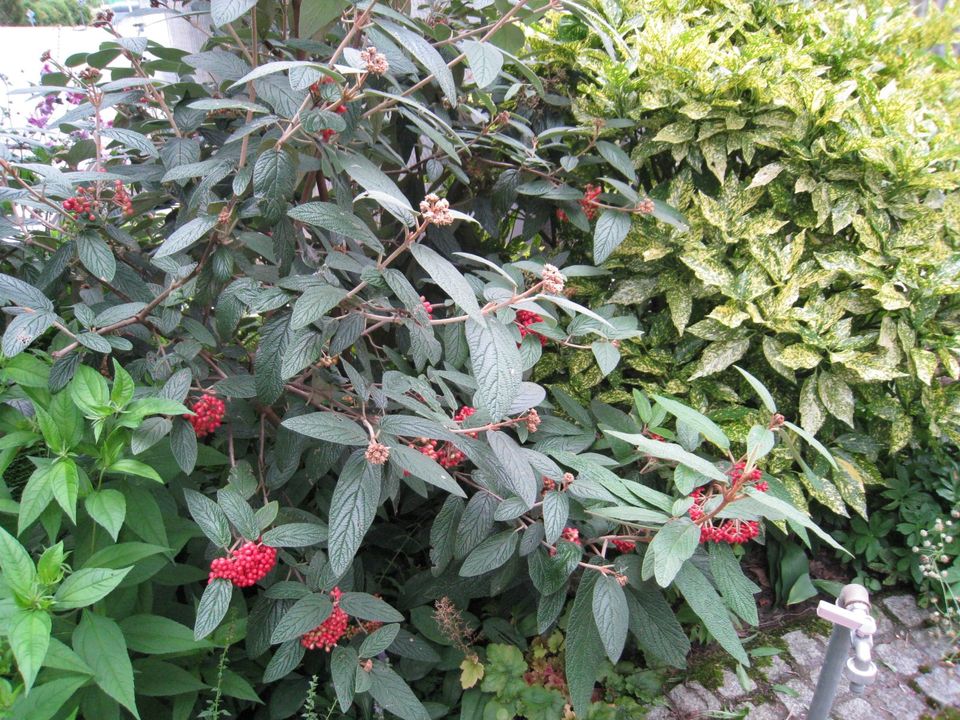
<point>525,318</point>
<point>624,546</point>
<point>328,633</point>
<point>589,200</point>
<point>208,415</point>
<point>246,565</point>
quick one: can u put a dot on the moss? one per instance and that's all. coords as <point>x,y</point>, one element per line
<point>945,714</point>
<point>708,670</point>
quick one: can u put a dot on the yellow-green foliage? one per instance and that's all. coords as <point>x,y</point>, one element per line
<point>812,148</point>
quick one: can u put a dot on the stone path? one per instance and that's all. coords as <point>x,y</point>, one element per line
<point>911,683</point>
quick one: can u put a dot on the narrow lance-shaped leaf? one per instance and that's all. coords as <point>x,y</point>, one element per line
<point>352,508</point>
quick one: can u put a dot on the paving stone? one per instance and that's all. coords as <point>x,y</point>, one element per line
<point>768,712</point>
<point>686,701</point>
<point>731,687</point>
<point>904,608</point>
<point>777,670</point>
<point>898,700</point>
<point>931,643</point>
<point>855,709</point>
<point>886,630</point>
<point>806,651</point>
<point>900,656</point>
<point>942,685</point>
<point>797,704</point>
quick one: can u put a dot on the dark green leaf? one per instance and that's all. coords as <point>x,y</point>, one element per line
<point>671,547</point>
<point>496,365</point>
<point>490,554</point>
<point>585,651</point>
<point>295,535</point>
<point>354,503</point>
<point>209,516</point>
<point>343,669</point>
<point>394,695</point>
<point>214,604</point>
<point>306,614</point>
<point>703,599</point>
<point>611,615</point>
<point>330,426</point>
<point>367,607</point>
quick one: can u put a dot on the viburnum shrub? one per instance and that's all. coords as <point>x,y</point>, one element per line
<point>328,260</point>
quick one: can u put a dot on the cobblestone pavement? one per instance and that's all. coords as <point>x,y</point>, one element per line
<point>911,683</point>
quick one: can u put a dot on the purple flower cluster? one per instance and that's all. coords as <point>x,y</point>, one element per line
<point>44,109</point>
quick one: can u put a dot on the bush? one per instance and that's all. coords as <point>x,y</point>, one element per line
<point>266,390</point>
<point>809,149</point>
<point>12,12</point>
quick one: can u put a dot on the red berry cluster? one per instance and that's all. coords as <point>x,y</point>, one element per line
<point>624,546</point>
<point>526,318</point>
<point>81,205</point>
<point>208,415</point>
<point>365,627</point>
<point>732,531</point>
<point>444,453</point>
<point>571,535</point>
<point>328,633</point>
<point>246,565</point>
<point>549,484</point>
<point>462,414</point>
<point>589,200</point>
<point>736,475</point>
<point>122,198</point>
<point>428,306</point>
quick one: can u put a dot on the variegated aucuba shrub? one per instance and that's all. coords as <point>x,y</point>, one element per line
<point>267,387</point>
<point>809,150</point>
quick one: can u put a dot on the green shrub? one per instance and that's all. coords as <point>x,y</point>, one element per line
<point>265,392</point>
<point>12,12</point>
<point>811,150</point>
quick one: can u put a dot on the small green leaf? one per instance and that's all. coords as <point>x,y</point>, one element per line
<point>701,423</point>
<point>485,60</point>
<point>758,387</point>
<point>86,586</point>
<point>19,572</point>
<point>186,235</point>
<point>125,466</point>
<point>394,695</point>
<point>556,509</point>
<point>29,636</point>
<point>496,365</point>
<point>343,669</point>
